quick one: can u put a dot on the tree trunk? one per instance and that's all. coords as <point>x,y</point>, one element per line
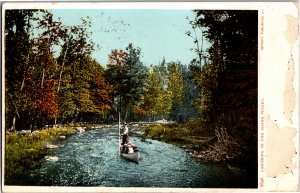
<point>60,75</point>
<point>24,75</point>
<point>23,82</point>
<point>13,127</point>
<point>16,113</point>
<point>43,77</point>
<point>199,51</point>
<point>62,67</point>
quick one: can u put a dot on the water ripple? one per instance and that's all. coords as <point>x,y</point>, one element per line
<point>92,159</point>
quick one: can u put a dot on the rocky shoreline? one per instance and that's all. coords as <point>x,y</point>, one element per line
<point>219,151</point>
<point>233,152</point>
<point>204,148</point>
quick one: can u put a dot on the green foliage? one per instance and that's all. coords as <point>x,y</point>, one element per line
<point>175,83</point>
<point>198,127</point>
<point>228,80</point>
<point>128,76</point>
<point>169,93</point>
<point>23,152</point>
<point>17,57</point>
<point>41,88</point>
<point>191,134</point>
<point>157,98</point>
<point>83,90</point>
<point>176,87</point>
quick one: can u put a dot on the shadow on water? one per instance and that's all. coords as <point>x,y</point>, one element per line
<point>92,159</point>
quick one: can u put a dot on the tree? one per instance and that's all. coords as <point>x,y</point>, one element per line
<point>82,89</point>
<point>176,86</point>
<point>74,76</point>
<point>157,99</point>
<point>18,67</point>
<point>187,109</point>
<point>100,89</point>
<point>41,88</point>
<point>128,76</point>
<point>148,102</point>
<point>228,81</point>
<point>43,101</point>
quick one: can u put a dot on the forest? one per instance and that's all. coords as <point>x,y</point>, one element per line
<point>217,89</point>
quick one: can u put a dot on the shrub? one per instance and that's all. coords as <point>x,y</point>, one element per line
<point>191,134</point>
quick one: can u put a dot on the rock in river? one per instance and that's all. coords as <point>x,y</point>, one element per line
<point>51,158</point>
<point>51,146</point>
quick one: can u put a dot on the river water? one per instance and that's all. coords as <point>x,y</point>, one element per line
<point>92,159</point>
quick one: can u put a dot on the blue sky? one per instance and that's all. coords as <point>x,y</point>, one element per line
<point>159,33</point>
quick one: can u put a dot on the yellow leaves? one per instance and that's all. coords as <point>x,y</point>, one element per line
<point>176,83</point>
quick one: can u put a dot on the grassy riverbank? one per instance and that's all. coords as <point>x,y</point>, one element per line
<point>26,151</point>
<point>190,135</point>
<point>206,144</point>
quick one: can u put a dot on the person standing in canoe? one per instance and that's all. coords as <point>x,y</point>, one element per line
<point>125,133</point>
<point>125,139</point>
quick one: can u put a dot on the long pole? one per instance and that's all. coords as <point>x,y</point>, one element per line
<point>119,136</point>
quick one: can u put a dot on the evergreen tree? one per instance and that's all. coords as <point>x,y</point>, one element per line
<point>128,76</point>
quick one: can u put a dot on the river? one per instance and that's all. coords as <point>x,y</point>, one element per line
<point>92,158</point>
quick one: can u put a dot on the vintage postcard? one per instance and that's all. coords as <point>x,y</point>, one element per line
<point>150,97</point>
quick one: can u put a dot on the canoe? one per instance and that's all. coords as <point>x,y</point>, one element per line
<point>132,156</point>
